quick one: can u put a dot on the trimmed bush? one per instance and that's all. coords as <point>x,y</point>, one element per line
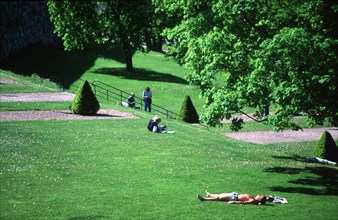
<point>326,148</point>
<point>188,112</point>
<point>85,102</point>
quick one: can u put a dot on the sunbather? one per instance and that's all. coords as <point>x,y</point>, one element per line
<point>234,198</point>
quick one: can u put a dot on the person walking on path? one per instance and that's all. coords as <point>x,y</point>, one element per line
<point>147,95</point>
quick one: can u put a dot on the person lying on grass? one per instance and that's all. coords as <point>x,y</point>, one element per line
<point>234,198</point>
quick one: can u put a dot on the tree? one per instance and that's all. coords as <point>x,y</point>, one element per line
<point>326,148</point>
<point>188,112</point>
<point>256,53</point>
<point>85,102</point>
<point>83,24</point>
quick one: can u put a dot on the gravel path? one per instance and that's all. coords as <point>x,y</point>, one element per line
<point>60,115</point>
<point>54,114</point>
<point>258,137</point>
<point>36,97</point>
<point>267,137</point>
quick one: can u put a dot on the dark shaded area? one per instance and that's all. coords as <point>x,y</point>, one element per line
<point>65,67</point>
<point>24,23</point>
<point>141,74</point>
<point>52,62</point>
<point>295,158</point>
<point>324,177</point>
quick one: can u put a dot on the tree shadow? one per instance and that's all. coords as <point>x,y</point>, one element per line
<point>52,62</point>
<point>141,74</point>
<point>321,180</point>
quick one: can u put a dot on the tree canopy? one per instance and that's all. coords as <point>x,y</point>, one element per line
<point>256,53</point>
<point>82,24</point>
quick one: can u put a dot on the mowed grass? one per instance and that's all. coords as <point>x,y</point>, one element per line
<point>116,169</point>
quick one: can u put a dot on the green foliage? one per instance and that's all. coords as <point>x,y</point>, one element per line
<point>253,53</point>
<point>85,102</point>
<point>102,23</point>
<point>326,148</point>
<point>188,112</point>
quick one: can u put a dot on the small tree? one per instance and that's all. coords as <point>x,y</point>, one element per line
<point>188,112</point>
<point>85,102</point>
<point>326,148</point>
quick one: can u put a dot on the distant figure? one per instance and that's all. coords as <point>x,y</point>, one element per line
<point>153,126</point>
<point>147,99</point>
<point>131,100</point>
<point>234,198</point>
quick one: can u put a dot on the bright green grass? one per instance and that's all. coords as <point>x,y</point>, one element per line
<point>164,77</point>
<point>28,106</point>
<point>116,169</point>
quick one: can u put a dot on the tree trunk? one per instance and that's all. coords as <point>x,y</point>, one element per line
<point>128,56</point>
<point>157,44</point>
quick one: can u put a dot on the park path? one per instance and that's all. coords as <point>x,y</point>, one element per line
<point>36,97</point>
<point>53,114</point>
<point>268,137</point>
<point>257,137</point>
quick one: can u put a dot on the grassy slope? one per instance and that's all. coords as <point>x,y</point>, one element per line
<point>116,168</point>
<point>103,169</point>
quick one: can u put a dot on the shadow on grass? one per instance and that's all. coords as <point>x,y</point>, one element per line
<point>51,62</point>
<point>141,74</point>
<point>324,177</point>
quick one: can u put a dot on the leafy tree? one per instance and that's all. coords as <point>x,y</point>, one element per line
<point>326,148</point>
<point>188,112</point>
<point>85,102</point>
<point>83,24</point>
<point>256,53</point>
<point>23,23</point>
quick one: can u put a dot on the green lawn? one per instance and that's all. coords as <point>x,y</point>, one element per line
<point>116,169</point>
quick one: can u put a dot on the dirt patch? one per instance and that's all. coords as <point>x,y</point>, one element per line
<point>267,137</point>
<point>6,81</point>
<point>54,114</point>
<point>36,97</point>
<point>60,115</point>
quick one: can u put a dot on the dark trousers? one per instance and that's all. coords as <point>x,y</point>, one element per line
<point>147,105</point>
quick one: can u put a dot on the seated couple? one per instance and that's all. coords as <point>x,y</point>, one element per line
<point>234,198</point>
<point>154,126</point>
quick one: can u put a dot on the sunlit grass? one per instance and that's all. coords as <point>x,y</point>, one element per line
<point>116,169</point>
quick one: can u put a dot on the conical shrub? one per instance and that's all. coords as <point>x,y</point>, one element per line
<point>326,148</point>
<point>188,112</point>
<point>85,102</point>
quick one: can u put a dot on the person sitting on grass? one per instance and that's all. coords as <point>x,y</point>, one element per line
<point>154,126</point>
<point>131,100</point>
<point>234,198</point>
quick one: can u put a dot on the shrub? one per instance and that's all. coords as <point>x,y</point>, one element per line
<point>85,102</point>
<point>188,112</point>
<point>326,148</point>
